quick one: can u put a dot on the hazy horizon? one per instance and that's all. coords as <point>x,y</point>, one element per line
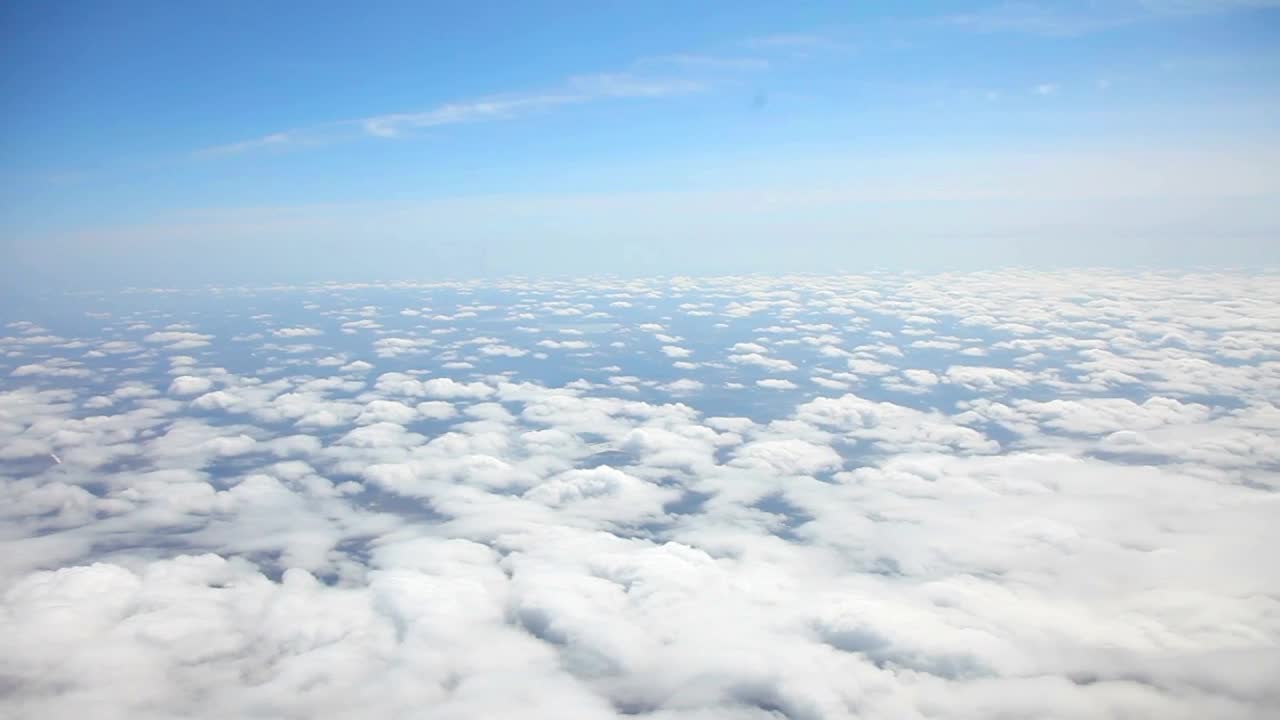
<point>155,144</point>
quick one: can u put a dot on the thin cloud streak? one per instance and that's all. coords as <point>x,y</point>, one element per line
<point>697,61</point>
<point>397,124</point>
<point>1039,20</point>
<point>575,91</point>
<point>796,41</point>
<point>274,140</point>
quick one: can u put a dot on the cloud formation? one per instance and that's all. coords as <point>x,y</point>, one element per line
<point>576,90</point>
<point>1066,524</point>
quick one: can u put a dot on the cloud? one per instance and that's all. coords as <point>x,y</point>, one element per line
<point>577,90</point>
<point>627,85</point>
<point>445,388</point>
<point>178,340</point>
<point>286,139</point>
<point>564,344</point>
<point>1069,528</point>
<point>684,385</point>
<point>392,411</point>
<point>1072,20</point>
<point>389,347</point>
<point>799,43</point>
<point>396,124</point>
<point>1041,19</point>
<point>987,378</point>
<point>293,332</point>
<point>54,367</point>
<point>763,361</point>
<point>892,427</point>
<point>698,61</point>
<point>787,457</point>
<point>190,385</point>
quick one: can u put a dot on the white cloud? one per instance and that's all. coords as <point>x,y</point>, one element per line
<point>683,385</point>
<point>176,340</point>
<point>986,378</point>
<point>892,427</point>
<point>445,388</point>
<point>395,347</point>
<point>1069,529</point>
<point>217,400</point>
<point>576,90</point>
<point>564,344</point>
<point>764,361</point>
<point>499,349</point>
<point>395,124</point>
<point>436,410</point>
<point>53,367</point>
<point>292,332</point>
<point>788,457</point>
<point>190,385</point>
<point>392,411</point>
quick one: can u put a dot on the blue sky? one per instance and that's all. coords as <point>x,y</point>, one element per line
<point>159,143</point>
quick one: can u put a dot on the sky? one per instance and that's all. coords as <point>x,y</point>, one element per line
<point>674,361</point>
<point>183,144</point>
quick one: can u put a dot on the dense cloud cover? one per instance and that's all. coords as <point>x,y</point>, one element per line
<point>988,495</point>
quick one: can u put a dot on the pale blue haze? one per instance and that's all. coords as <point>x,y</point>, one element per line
<point>188,143</point>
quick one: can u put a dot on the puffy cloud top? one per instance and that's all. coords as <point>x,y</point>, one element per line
<point>1013,494</point>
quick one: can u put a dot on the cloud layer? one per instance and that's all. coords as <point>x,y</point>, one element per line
<point>1006,494</point>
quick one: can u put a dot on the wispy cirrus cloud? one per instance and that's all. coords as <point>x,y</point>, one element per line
<point>274,140</point>
<point>627,85</point>
<point>496,108</point>
<point>1039,19</point>
<point>795,41</point>
<point>698,61</point>
<point>577,90</point>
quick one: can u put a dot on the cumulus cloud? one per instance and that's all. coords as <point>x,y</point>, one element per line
<point>178,340</point>
<point>444,388</point>
<point>683,385</point>
<point>564,344</point>
<point>892,427</point>
<point>986,378</point>
<point>293,332</point>
<point>763,361</point>
<point>53,367</point>
<point>1067,527</point>
<point>394,346</point>
<point>190,385</point>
